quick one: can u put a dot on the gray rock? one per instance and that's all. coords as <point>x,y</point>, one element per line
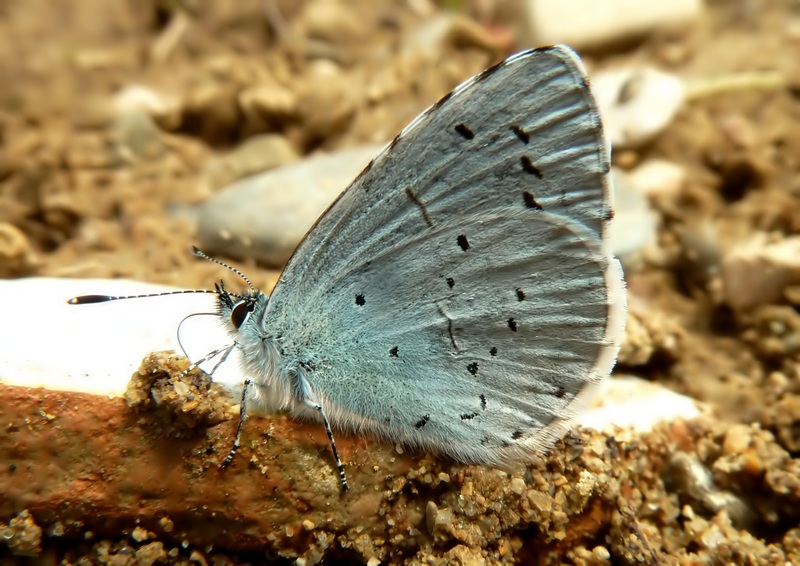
<point>264,216</point>
<point>255,155</point>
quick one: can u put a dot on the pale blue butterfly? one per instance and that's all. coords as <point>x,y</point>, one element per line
<point>460,296</point>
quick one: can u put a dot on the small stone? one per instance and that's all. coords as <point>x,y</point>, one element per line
<point>636,103</point>
<point>656,177</point>
<point>139,534</point>
<point>197,557</point>
<point>22,535</point>
<point>464,556</point>
<point>542,501</point>
<point>332,21</point>
<point>136,137</point>
<point>587,24</point>
<point>431,511</point>
<point>434,34</point>
<point>266,103</point>
<point>264,216</point>
<point>212,111</point>
<point>740,131</point>
<point>601,553</point>
<point>327,101</point>
<point>17,256</point>
<point>757,272</point>
<point>737,439</point>
<point>517,485</point>
<point>628,401</point>
<point>166,524</point>
<point>634,225</point>
<point>151,553</point>
<point>164,109</point>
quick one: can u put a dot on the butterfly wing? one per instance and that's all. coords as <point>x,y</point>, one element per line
<point>459,295</point>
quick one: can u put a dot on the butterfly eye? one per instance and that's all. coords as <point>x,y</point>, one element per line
<point>241,312</point>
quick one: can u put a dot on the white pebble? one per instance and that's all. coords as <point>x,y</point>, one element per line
<point>657,177</point>
<point>757,272</point>
<point>637,103</point>
<point>586,24</point>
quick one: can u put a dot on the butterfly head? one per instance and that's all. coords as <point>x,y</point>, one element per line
<point>237,309</point>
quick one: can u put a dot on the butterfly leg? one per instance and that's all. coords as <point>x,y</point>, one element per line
<point>221,361</point>
<point>242,416</point>
<point>317,407</point>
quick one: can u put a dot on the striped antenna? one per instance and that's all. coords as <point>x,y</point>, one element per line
<point>198,253</point>
<point>90,299</point>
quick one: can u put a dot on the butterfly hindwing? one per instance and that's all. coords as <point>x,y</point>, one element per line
<point>458,296</point>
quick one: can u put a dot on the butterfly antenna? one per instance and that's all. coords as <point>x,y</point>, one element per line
<point>198,253</point>
<point>89,299</point>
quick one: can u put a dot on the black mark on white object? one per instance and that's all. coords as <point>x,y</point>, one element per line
<point>483,402</point>
<point>473,368</point>
<point>512,324</point>
<point>520,294</point>
<point>451,282</point>
<point>394,352</point>
<point>423,421</point>
<point>360,301</point>
<point>468,416</point>
<point>517,435</point>
<point>462,242</point>
<point>493,351</point>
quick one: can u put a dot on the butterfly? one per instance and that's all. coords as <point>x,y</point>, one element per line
<point>460,296</point>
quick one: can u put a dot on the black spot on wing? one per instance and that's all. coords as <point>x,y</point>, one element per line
<point>529,167</point>
<point>523,136</point>
<point>561,392</point>
<point>451,282</point>
<point>512,324</point>
<point>360,300</point>
<point>394,352</point>
<point>423,421</point>
<point>464,131</point>
<point>520,294</point>
<point>473,368</point>
<point>493,351</point>
<point>483,402</point>
<point>517,435</point>
<point>462,242</point>
<point>530,201</point>
<point>468,416</point>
